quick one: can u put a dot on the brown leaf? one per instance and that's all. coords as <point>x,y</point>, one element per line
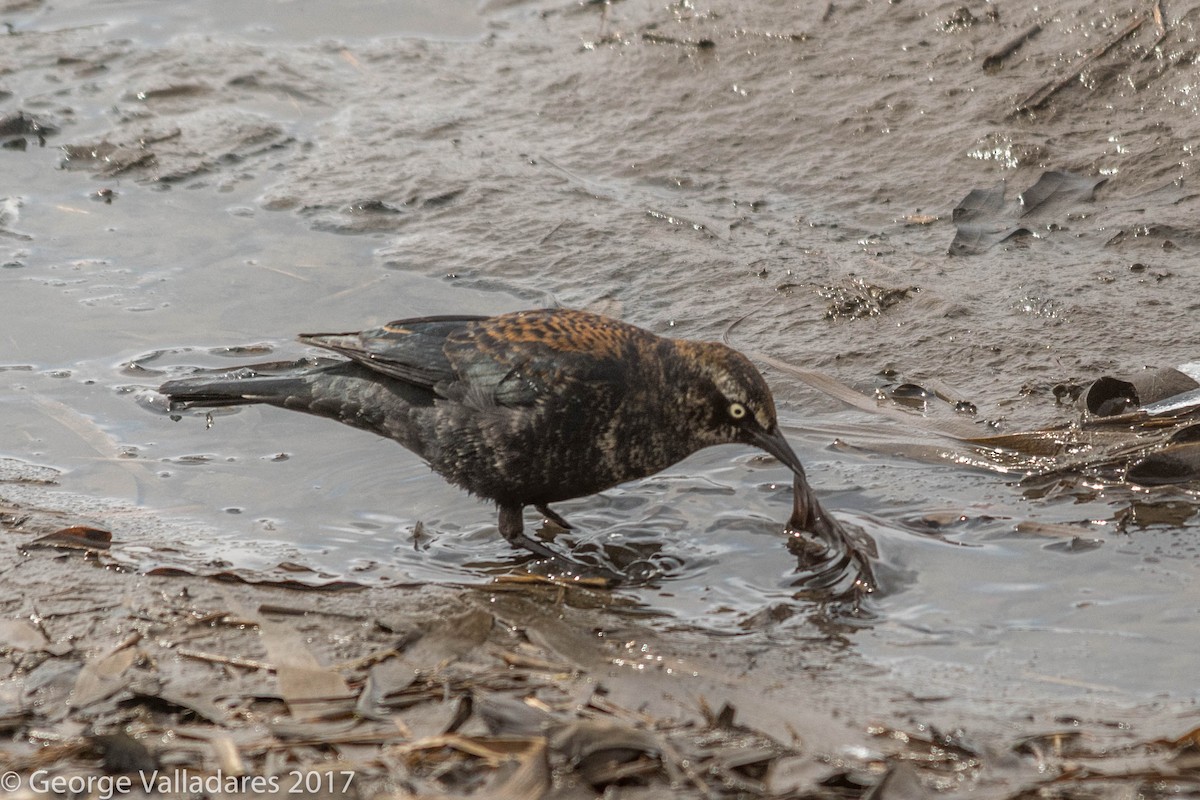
<point>76,537</point>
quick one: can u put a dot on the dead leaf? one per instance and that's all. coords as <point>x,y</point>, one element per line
<point>312,692</point>
<point>102,678</point>
<point>900,783</point>
<point>525,778</point>
<point>76,537</point>
<point>601,739</point>
<point>982,219</point>
<point>17,634</point>
<point>455,637</point>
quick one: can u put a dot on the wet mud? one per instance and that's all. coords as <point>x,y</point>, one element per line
<point>131,685</point>
<point>959,237</point>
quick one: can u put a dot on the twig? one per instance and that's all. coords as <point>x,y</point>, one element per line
<point>1162,29</point>
<point>359,288</point>
<point>217,658</point>
<point>676,761</point>
<point>699,44</point>
<point>284,272</point>
<point>553,231</point>
<point>1005,50</point>
<point>534,664</point>
<point>326,740</point>
<point>365,661</point>
<point>1048,90</point>
<point>128,641</point>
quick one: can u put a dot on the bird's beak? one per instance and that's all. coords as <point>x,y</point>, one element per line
<point>774,443</point>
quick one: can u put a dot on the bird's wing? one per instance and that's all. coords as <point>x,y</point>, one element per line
<point>521,358</point>
<point>412,350</point>
<point>509,360</point>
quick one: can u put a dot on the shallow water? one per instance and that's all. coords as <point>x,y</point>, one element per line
<point>330,170</point>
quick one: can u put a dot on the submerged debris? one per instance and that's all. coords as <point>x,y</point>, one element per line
<point>983,219</point>
<point>17,128</point>
<point>1109,395</point>
<point>855,298</point>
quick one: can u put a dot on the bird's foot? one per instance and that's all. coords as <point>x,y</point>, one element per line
<point>554,517</point>
<point>568,564</point>
<point>512,528</point>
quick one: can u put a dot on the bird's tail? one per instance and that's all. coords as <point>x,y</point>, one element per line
<point>272,383</point>
<point>326,387</point>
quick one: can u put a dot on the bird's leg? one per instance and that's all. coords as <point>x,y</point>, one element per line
<point>554,517</point>
<point>512,528</point>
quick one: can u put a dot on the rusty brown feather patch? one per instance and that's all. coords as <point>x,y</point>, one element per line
<point>562,330</point>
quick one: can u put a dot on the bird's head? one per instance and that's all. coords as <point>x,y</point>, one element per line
<point>732,402</point>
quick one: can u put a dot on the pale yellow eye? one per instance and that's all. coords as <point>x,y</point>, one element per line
<point>737,410</point>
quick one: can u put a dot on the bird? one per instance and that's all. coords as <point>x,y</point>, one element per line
<point>528,408</point>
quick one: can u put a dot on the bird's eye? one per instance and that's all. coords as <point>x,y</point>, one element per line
<point>737,410</point>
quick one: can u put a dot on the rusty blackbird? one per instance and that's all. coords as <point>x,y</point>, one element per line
<point>524,409</point>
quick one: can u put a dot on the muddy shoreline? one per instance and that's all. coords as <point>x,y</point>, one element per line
<point>522,688</point>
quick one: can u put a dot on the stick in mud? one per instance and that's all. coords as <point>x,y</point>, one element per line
<point>1040,97</point>
<point>997,56</point>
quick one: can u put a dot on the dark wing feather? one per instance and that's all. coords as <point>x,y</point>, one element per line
<point>509,360</point>
<point>412,350</point>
